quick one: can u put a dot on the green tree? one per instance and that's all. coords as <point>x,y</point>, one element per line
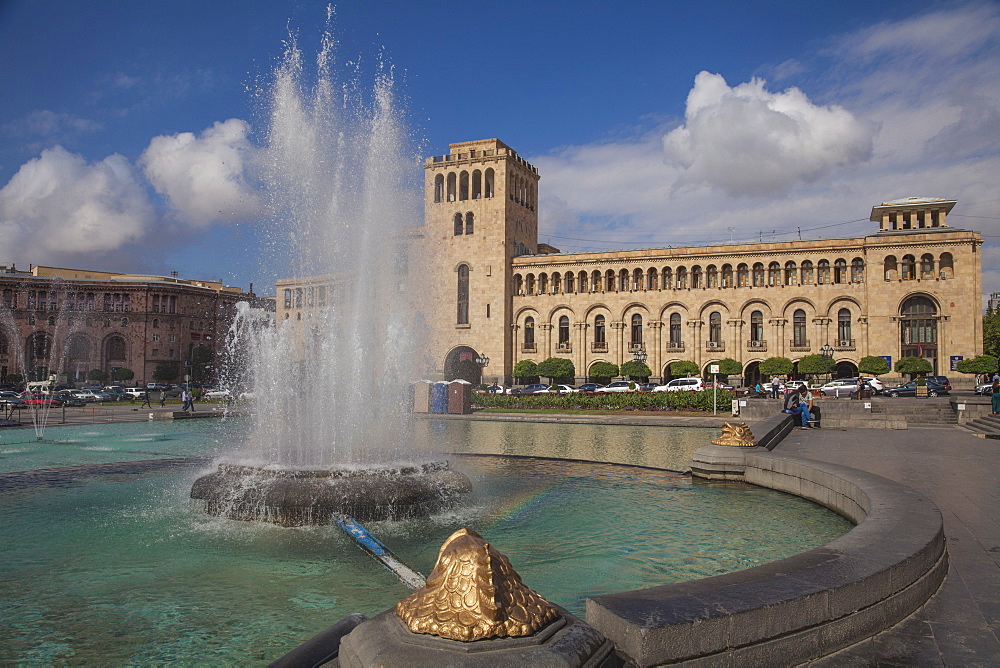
<point>557,369</point>
<point>166,372</point>
<point>602,372</point>
<point>777,366</point>
<point>121,373</point>
<point>683,368</point>
<point>13,379</point>
<point>978,365</point>
<point>816,365</point>
<point>636,370</point>
<point>729,367</point>
<point>912,366</point>
<point>202,368</point>
<point>525,371</point>
<point>98,375</point>
<point>991,333</point>
<point>873,365</point>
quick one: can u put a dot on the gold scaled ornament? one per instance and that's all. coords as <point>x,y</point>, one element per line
<point>736,434</point>
<point>474,593</point>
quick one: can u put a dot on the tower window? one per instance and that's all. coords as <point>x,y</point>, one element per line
<point>458,224</point>
<point>463,294</point>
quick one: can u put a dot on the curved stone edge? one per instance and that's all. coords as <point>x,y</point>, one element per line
<point>803,607</point>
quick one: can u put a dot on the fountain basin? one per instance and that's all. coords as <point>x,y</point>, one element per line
<point>298,497</point>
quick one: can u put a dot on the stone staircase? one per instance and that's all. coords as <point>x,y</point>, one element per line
<point>917,411</point>
<point>988,424</point>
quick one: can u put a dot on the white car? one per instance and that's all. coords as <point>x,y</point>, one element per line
<point>91,396</point>
<point>563,389</point>
<point>618,386</point>
<point>217,394</point>
<point>136,392</point>
<point>682,385</point>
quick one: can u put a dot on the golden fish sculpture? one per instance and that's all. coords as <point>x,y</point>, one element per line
<point>736,434</point>
<point>474,593</point>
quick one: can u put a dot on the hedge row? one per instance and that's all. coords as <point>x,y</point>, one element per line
<point>645,401</point>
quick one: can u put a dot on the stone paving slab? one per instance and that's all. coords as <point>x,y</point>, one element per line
<point>960,625</point>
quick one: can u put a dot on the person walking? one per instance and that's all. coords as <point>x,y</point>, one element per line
<point>145,399</point>
<point>996,395</point>
<point>191,400</point>
<point>775,386</point>
<point>163,398</point>
<point>185,398</point>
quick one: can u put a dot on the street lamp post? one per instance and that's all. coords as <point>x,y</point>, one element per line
<point>827,352</point>
<point>483,361</point>
<point>639,356</point>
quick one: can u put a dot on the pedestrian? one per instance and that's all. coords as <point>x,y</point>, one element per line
<point>191,400</point>
<point>775,386</point>
<point>185,398</point>
<point>163,398</point>
<point>145,398</point>
<point>996,395</point>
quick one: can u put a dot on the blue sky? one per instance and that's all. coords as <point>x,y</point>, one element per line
<point>651,123</point>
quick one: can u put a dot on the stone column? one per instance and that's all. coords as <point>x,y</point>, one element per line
<point>617,343</point>
<point>580,353</point>
<point>546,350</point>
<point>655,352</point>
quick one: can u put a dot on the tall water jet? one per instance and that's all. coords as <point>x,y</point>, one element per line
<point>329,384</point>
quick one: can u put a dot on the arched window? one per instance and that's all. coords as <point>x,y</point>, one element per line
<point>529,284</point>
<point>609,280</point>
<point>597,283</point>
<point>518,284</point>
<point>889,266</point>
<point>459,227</point>
<point>599,333</point>
<point>438,188</point>
<point>668,278</point>
<point>570,282</point>
<point>715,329</point>
<point>452,186</point>
<point>712,276</point>
<point>623,280</point>
<point>682,278</point>
<point>844,327</point>
<point>857,270</point>
<point>543,283</point>
<point>799,329</point>
<point>636,329</point>
<point>840,271</point>
<point>8,298</point>
<point>652,280</point>
<point>584,283</point>
<point>926,266</point>
<point>469,222</point>
<point>116,348</point>
<point>791,273</point>
<point>637,276</point>
<point>757,327</point>
<point>727,275</point>
<point>742,276</point>
<point>675,330</point>
<point>156,323</point>
<point>823,272</point>
<point>807,273</point>
<point>463,294</point>
<point>563,330</point>
<point>463,186</point>
<point>947,266</point>
<point>556,282</point>
<point>488,183</point>
<point>477,184</point>
<point>774,274</point>
<point>529,332</point>
<point>758,275</point>
<point>909,268</point>
<point>697,278</point>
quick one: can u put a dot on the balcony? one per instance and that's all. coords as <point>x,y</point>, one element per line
<point>565,347</point>
<point>675,346</point>
<point>598,346</point>
<point>635,347</point>
<point>757,346</point>
<point>844,344</point>
<point>715,346</point>
<point>799,346</point>
<point>527,347</point>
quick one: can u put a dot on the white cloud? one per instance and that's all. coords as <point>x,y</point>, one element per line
<point>57,206</point>
<point>204,179</point>
<point>747,140</point>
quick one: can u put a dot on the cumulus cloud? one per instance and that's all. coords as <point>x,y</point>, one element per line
<point>204,178</point>
<point>747,140</point>
<point>58,205</point>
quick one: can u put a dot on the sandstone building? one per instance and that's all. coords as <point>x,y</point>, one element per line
<point>69,321</point>
<point>911,287</point>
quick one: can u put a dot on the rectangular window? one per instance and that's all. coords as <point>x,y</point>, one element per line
<point>156,352</point>
<point>171,352</point>
<point>288,298</point>
<point>32,298</point>
<point>156,337</point>
<point>173,304</point>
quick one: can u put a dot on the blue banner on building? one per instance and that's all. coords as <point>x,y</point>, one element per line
<point>955,359</point>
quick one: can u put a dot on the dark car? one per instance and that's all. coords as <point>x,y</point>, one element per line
<point>910,389</point>
<point>589,387</point>
<point>530,389</point>
<point>940,380</point>
<point>68,399</point>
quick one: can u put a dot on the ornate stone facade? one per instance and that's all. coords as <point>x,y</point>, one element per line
<point>910,288</point>
<point>69,321</point>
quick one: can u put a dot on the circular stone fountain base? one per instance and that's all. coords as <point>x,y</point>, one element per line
<point>295,497</point>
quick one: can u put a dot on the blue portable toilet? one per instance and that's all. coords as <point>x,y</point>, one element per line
<point>439,397</point>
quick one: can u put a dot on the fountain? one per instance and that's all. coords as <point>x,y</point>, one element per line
<point>331,415</point>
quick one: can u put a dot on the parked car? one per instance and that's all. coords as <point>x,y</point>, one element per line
<point>910,389</point>
<point>116,393</point>
<point>563,389</point>
<point>12,400</point>
<point>135,392</point>
<point>496,389</point>
<point>842,387</point>
<point>589,387</point>
<point>68,398</point>
<point>618,386</point>
<point>985,390</point>
<point>682,385</point>
<point>647,387</point>
<point>92,396</point>
<point>218,393</point>
<point>940,380</point>
<point>39,399</point>
<point>530,389</point>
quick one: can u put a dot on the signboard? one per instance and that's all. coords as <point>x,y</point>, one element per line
<point>714,368</point>
<point>888,360</point>
<point>955,359</point>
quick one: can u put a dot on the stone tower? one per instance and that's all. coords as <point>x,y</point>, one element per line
<point>480,210</point>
